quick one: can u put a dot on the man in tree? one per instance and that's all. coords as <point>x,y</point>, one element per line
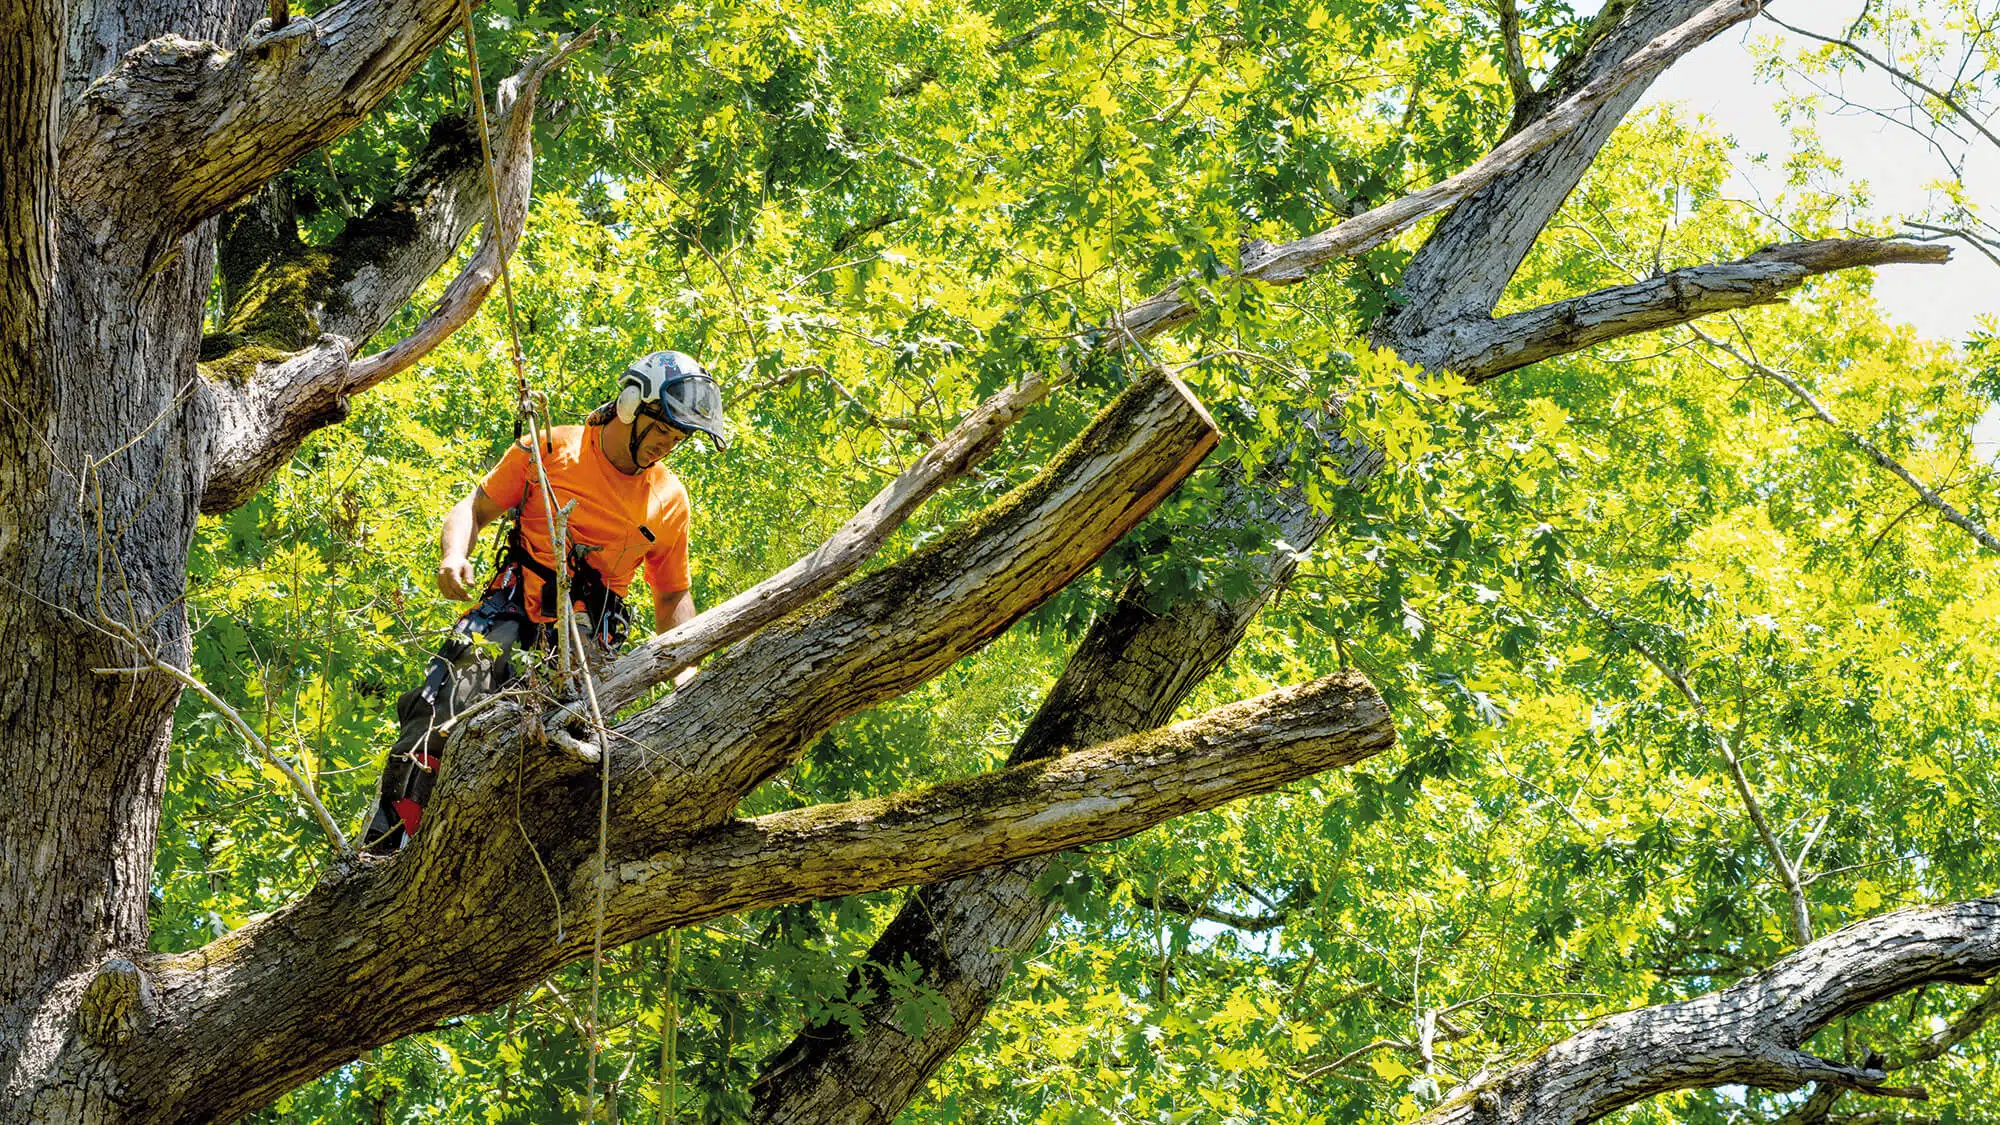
<point>629,508</point>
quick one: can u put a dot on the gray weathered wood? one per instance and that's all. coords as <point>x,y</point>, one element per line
<point>1750,1033</point>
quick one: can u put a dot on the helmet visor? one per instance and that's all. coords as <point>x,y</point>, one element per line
<point>694,403</point>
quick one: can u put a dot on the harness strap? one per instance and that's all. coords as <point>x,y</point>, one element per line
<point>590,593</point>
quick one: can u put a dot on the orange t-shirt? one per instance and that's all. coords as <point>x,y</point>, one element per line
<point>611,509</point>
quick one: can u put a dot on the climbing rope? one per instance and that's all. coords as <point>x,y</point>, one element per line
<point>670,1021</point>
<point>569,638</point>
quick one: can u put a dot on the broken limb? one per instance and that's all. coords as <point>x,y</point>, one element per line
<point>1106,792</point>
<point>839,556</point>
<point>1487,347</point>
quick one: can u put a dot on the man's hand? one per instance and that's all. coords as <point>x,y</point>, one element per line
<point>455,540</point>
<point>455,578</point>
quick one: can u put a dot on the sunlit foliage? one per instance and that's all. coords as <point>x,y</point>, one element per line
<point>865,215</point>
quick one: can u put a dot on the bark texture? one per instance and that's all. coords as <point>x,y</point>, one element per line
<point>109,125</point>
<point>1751,1033</point>
<point>103,429</point>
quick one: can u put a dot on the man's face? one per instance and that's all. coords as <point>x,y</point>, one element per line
<point>656,439</point>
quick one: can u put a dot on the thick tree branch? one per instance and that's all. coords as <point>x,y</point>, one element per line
<point>890,631</point>
<point>180,129</point>
<point>1131,672</point>
<point>1479,348</point>
<point>1295,261</point>
<point>513,172</point>
<point>1101,793</point>
<point>269,402</point>
<point>1750,1033</point>
<point>1104,793</point>
<point>1466,263</point>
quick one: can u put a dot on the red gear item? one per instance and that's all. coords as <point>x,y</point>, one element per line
<point>412,814</point>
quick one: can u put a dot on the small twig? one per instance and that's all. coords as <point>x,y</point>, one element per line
<point>1908,79</point>
<point>1169,113</point>
<point>1787,874</point>
<point>1379,1044</point>
<point>1978,242</point>
<point>299,782</point>
<point>1811,839</point>
<point>1875,453</point>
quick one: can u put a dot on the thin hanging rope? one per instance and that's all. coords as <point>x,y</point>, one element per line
<point>569,639</point>
<point>671,1031</point>
<point>498,227</point>
<point>603,836</point>
<point>526,400</point>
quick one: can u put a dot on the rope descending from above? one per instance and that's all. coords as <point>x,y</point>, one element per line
<point>572,659</point>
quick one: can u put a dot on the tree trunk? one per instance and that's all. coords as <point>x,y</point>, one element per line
<point>107,438</point>
<point>107,434</point>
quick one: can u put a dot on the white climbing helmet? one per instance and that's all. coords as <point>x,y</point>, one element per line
<point>672,387</point>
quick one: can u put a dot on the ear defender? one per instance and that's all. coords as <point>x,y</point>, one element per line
<point>628,403</point>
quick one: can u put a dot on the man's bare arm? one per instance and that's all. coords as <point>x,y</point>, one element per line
<point>461,529</point>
